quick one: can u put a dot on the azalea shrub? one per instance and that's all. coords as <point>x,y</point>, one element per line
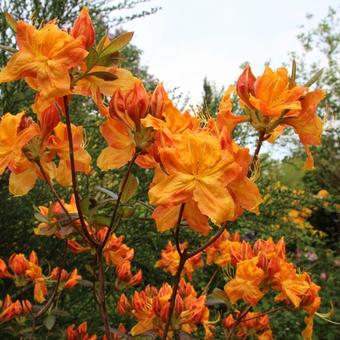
<point>204,207</point>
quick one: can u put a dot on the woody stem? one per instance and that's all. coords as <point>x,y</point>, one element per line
<point>120,194</point>
<point>238,321</point>
<point>101,300</point>
<point>182,260</point>
<point>74,176</point>
<point>260,141</point>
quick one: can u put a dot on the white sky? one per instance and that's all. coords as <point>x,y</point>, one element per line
<point>190,39</point>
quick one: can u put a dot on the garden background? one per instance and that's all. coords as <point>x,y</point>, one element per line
<point>301,206</point>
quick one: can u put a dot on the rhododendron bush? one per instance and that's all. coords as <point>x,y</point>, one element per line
<point>202,182</point>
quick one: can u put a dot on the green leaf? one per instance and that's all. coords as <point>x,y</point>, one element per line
<point>130,188</point>
<point>49,321</point>
<point>41,218</point>
<point>110,59</point>
<point>92,58</point>
<point>11,22</point>
<point>314,79</point>
<point>101,220</point>
<point>107,76</point>
<point>117,44</point>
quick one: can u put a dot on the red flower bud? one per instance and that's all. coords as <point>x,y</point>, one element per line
<point>83,28</point>
<point>245,85</point>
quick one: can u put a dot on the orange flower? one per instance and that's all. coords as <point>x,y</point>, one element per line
<point>194,170</point>
<point>14,309</point>
<point>123,130</point>
<point>166,217</point>
<point>66,280</point>
<point>272,94</point>
<point>306,123</point>
<point>58,143</point>
<point>83,28</point>
<point>26,270</point>
<point>44,59</point>
<point>151,308</point>
<point>246,283</point>
<point>220,252</point>
<point>73,333</point>
<point>170,260</point>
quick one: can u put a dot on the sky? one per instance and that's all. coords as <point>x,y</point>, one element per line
<point>190,39</point>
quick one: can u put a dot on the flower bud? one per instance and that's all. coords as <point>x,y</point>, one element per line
<point>229,321</point>
<point>123,305</point>
<point>18,264</point>
<point>245,86</point>
<point>137,103</point>
<point>83,28</point>
<point>158,102</point>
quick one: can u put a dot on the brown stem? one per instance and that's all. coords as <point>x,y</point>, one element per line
<point>238,321</point>
<point>182,260</point>
<point>74,175</point>
<point>206,288</point>
<point>206,245</point>
<point>178,226</point>
<point>120,194</point>
<point>257,151</point>
<point>101,300</point>
<point>265,313</point>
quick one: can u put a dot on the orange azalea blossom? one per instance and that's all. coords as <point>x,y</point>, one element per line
<point>170,260</point>
<point>272,93</point>
<point>24,271</point>
<point>119,255</point>
<point>123,130</point>
<point>66,280</point>
<point>10,310</point>
<point>219,252</point>
<point>73,333</point>
<point>246,284</point>
<point>28,148</point>
<point>280,104</point>
<point>57,222</point>
<point>44,59</point>
<point>151,307</point>
<point>59,144</point>
<point>196,168</point>
<point>253,323</point>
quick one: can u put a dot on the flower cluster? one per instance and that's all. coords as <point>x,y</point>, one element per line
<point>170,260</point>
<point>151,307</point>
<point>274,102</point>
<point>253,324</point>
<point>262,267</point>
<point>24,271</point>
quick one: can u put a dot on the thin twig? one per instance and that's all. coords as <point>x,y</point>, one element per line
<point>206,288</point>
<point>256,152</point>
<point>182,260</point>
<point>206,245</point>
<point>238,321</point>
<point>115,211</point>
<point>101,294</point>
<point>74,175</point>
